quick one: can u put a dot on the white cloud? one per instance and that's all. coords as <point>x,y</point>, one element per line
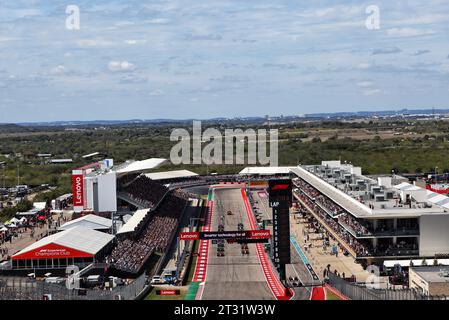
<point>157,92</point>
<point>365,84</point>
<point>134,41</point>
<point>59,70</point>
<point>158,21</point>
<point>371,92</point>
<point>364,66</point>
<point>121,66</point>
<point>95,43</point>
<point>420,52</point>
<point>386,51</point>
<point>408,32</point>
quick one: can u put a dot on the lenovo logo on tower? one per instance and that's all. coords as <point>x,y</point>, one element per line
<point>78,190</point>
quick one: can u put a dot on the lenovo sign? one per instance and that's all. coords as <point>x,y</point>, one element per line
<point>78,190</point>
<point>260,234</point>
<point>189,235</point>
<point>236,235</point>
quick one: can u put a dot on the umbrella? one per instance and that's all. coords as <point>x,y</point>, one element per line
<point>2,229</point>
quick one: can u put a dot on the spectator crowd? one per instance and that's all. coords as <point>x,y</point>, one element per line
<point>341,220</point>
<point>153,235</point>
<point>144,190</point>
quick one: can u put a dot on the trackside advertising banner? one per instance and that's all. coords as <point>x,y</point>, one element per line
<point>189,236</point>
<point>78,190</point>
<point>52,251</point>
<point>245,234</point>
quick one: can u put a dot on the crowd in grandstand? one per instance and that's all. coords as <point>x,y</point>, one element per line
<point>347,220</point>
<point>309,196</point>
<point>358,247</point>
<point>144,190</point>
<point>127,179</point>
<point>152,235</point>
<point>331,207</point>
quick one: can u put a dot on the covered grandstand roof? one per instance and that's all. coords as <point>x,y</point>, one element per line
<point>134,221</point>
<point>266,170</point>
<point>136,166</point>
<point>76,242</point>
<point>342,199</point>
<point>91,155</point>
<point>175,174</point>
<point>90,221</point>
<point>358,209</point>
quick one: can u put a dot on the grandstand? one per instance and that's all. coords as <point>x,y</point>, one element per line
<point>373,219</point>
<point>142,192</point>
<point>174,175</point>
<point>150,233</point>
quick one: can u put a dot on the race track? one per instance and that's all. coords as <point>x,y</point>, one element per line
<point>234,276</point>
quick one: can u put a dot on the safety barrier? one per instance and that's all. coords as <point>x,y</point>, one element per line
<point>19,288</point>
<point>356,291</point>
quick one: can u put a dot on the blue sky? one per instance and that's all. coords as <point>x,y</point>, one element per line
<point>195,58</point>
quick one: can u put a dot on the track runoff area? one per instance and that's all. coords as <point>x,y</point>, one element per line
<point>232,263</point>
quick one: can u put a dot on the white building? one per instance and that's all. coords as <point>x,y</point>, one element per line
<point>374,218</point>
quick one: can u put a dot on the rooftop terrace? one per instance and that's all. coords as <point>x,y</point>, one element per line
<point>365,197</point>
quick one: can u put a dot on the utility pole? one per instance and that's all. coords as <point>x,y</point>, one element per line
<point>18,174</point>
<point>3,167</point>
<point>436,174</point>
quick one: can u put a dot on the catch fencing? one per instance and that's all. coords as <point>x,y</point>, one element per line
<point>356,291</point>
<point>19,288</point>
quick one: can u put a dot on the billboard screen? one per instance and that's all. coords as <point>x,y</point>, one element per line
<point>280,190</point>
<point>281,235</point>
<point>280,196</point>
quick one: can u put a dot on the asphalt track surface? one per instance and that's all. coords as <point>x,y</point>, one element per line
<point>234,276</point>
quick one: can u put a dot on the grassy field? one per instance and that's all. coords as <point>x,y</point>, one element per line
<point>331,296</point>
<point>377,146</point>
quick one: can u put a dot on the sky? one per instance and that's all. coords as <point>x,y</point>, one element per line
<point>180,59</point>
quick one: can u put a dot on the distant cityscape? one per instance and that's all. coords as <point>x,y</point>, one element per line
<point>402,113</point>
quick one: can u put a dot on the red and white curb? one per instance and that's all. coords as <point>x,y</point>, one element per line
<point>276,287</point>
<point>203,248</point>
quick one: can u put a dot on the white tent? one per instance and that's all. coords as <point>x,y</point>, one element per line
<point>126,218</point>
<point>39,205</point>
